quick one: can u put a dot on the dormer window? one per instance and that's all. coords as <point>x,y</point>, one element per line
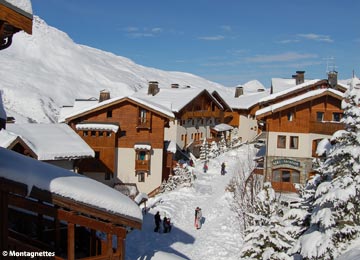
<point>290,116</point>
<point>109,114</point>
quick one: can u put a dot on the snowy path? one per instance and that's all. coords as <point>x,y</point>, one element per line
<point>219,237</point>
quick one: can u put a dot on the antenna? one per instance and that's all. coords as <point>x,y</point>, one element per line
<point>330,65</point>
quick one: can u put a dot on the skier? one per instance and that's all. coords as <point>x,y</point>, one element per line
<point>223,169</point>
<point>157,222</point>
<point>198,217</point>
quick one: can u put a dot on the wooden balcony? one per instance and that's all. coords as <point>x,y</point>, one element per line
<point>325,127</point>
<point>144,123</point>
<point>142,165</point>
<point>201,114</point>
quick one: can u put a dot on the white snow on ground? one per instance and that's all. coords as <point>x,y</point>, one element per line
<point>218,239</point>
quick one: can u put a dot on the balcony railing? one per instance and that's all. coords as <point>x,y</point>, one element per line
<point>142,165</point>
<point>325,127</point>
<point>144,123</point>
<point>202,113</point>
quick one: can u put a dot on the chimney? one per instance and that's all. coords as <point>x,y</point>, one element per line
<point>153,88</point>
<point>104,95</point>
<point>299,77</point>
<point>239,91</point>
<point>174,85</point>
<point>332,78</point>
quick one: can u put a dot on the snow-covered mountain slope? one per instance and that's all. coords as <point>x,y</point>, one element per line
<point>44,71</point>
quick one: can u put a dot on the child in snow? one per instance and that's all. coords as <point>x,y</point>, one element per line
<point>167,225</point>
<point>157,222</point>
<point>205,168</point>
<point>198,216</point>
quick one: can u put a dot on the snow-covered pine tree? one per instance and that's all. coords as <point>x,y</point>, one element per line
<point>266,238</point>
<point>235,137</point>
<point>335,219</point>
<point>214,150</point>
<point>222,144</point>
<point>182,175</point>
<point>204,151</point>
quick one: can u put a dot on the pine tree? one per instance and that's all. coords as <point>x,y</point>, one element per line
<point>266,238</point>
<point>335,219</point>
<point>222,144</point>
<point>204,151</point>
<point>182,175</point>
<point>214,150</point>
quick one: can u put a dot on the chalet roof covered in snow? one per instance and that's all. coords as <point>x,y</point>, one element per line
<point>245,101</point>
<point>303,97</point>
<point>174,99</point>
<point>52,141</point>
<point>91,105</point>
<point>33,173</point>
<point>289,90</point>
<point>21,5</point>
<point>222,127</point>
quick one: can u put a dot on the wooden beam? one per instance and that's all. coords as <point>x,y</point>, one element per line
<point>16,19</point>
<point>3,221</point>
<point>10,186</point>
<point>71,242</point>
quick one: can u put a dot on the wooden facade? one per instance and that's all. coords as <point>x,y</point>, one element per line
<point>64,228</point>
<point>12,20</point>
<point>293,131</point>
<point>137,124</point>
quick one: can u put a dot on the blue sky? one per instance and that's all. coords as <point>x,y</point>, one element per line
<point>228,41</point>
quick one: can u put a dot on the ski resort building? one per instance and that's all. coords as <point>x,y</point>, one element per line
<point>127,135</point>
<point>295,120</point>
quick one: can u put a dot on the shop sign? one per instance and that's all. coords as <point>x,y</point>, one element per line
<point>286,161</point>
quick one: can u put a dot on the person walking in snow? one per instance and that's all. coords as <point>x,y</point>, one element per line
<point>157,222</point>
<point>167,225</point>
<point>198,217</point>
<point>223,169</point>
<point>205,168</point>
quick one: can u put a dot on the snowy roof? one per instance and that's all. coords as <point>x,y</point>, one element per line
<point>142,147</point>
<point>222,127</point>
<point>173,99</point>
<point>23,5</point>
<point>6,138</point>
<point>252,86</point>
<point>92,105</point>
<point>2,110</point>
<point>52,141</point>
<point>289,90</point>
<point>245,101</point>
<point>94,126</point>
<point>33,173</point>
<point>290,101</point>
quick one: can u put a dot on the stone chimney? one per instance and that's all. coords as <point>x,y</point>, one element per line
<point>332,78</point>
<point>104,95</point>
<point>175,85</point>
<point>299,77</point>
<point>153,88</point>
<point>239,91</point>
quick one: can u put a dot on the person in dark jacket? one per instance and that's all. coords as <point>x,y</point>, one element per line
<point>167,225</point>
<point>157,222</point>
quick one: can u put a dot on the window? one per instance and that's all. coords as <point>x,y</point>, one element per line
<point>182,137</point>
<point>285,176</point>
<point>281,141</point>
<point>294,142</point>
<point>337,117</point>
<point>93,133</point>
<point>141,177</point>
<point>319,116</point>
<point>85,133</point>
<point>101,134</point>
<point>142,155</point>
<point>142,116</point>
<point>109,114</point>
<point>276,176</point>
<point>108,134</point>
<point>295,177</point>
<point>290,116</point>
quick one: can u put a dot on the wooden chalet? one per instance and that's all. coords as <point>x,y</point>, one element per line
<point>294,123</point>
<point>127,135</point>
<point>14,18</point>
<point>44,208</point>
<point>196,112</point>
